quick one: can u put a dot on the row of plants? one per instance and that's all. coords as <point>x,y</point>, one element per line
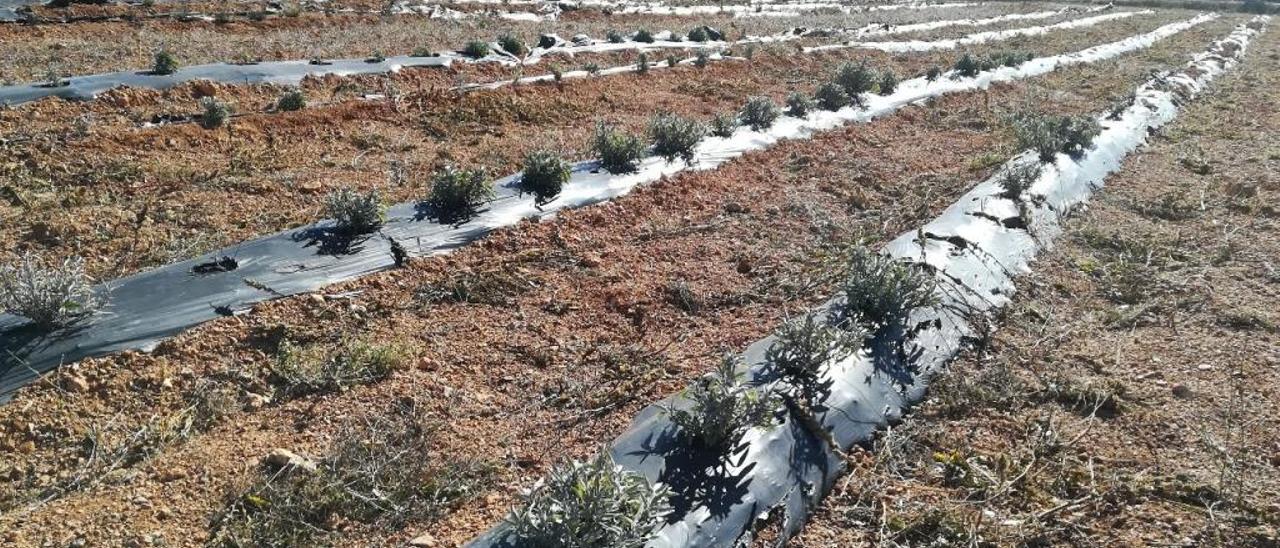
<point>599,503</point>
<point>58,295</point>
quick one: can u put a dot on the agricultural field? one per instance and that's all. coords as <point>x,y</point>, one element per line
<point>605,273</point>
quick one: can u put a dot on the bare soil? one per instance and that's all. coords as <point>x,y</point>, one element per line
<point>1127,397</point>
<point>580,332</point>
<point>129,197</point>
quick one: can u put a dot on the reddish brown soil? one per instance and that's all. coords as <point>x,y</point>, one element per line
<point>1129,392</point>
<point>143,197</point>
<point>521,383</point>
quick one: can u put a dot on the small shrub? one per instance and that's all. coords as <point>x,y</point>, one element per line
<point>476,49</point>
<point>355,213</point>
<point>456,194</point>
<point>510,44</point>
<point>855,79</point>
<point>1011,58</point>
<point>592,69</point>
<point>319,369</point>
<point>164,63</point>
<point>799,104</point>
<point>618,152</point>
<point>802,346</point>
<point>831,96</point>
<point>51,296</point>
<point>1049,134</point>
<point>642,63</point>
<point>880,292</point>
<point>377,57</point>
<point>932,74</point>
<point>590,504</point>
<point>698,34</point>
<point>723,125</point>
<point>967,66</point>
<point>701,59</point>
<point>672,61</point>
<point>291,100</point>
<point>721,409</point>
<point>675,137</point>
<point>1016,179</point>
<point>215,113</point>
<point>643,35</point>
<point>545,173</point>
<point>888,82</point>
<point>759,113</point>
<point>375,472</point>
<point>615,37</point>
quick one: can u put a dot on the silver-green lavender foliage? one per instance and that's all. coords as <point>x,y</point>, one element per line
<point>618,152</point>
<point>799,104</point>
<point>831,96</point>
<point>1017,178</point>
<point>801,348</point>
<point>214,112</point>
<point>1049,134</point>
<point>759,113</point>
<point>888,82</point>
<point>291,100</point>
<point>545,173</point>
<point>164,63</point>
<point>675,137</point>
<point>701,59</point>
<point>353,212</point>
<point>51,296</point>
<point>593,504</point>
<point>855,79</point>
<point>642,63</point>
<point>457,193</point>
<point>723,125</point>
<point>880,291</point>
<point>721,408</point>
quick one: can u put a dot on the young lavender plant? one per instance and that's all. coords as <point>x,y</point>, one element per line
<point>759,113</point>
<point>675,137</point>
<point>353,212</point>
<point>588,505</point>
<point>545,173</point>
<point>881,292</point>
<point>51,296</point>
<point>721,408</point>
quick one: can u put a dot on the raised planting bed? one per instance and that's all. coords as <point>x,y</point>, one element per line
<point>974,250</point>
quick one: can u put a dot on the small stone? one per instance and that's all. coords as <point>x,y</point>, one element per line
<point>734,207</point>
<point>424,539</point>
<point>317,298</point>
<point>284,458</point>
<point>27,447</point>
<point>1204,367</point>
<point>75,383</point>
<point>590,260</point>
<point>255,401</point>
<point>1182,392</point>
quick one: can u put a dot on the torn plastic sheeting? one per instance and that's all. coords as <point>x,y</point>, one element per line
<point>787,467</point>
<point>147,307</point>
<point>982,37</point>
